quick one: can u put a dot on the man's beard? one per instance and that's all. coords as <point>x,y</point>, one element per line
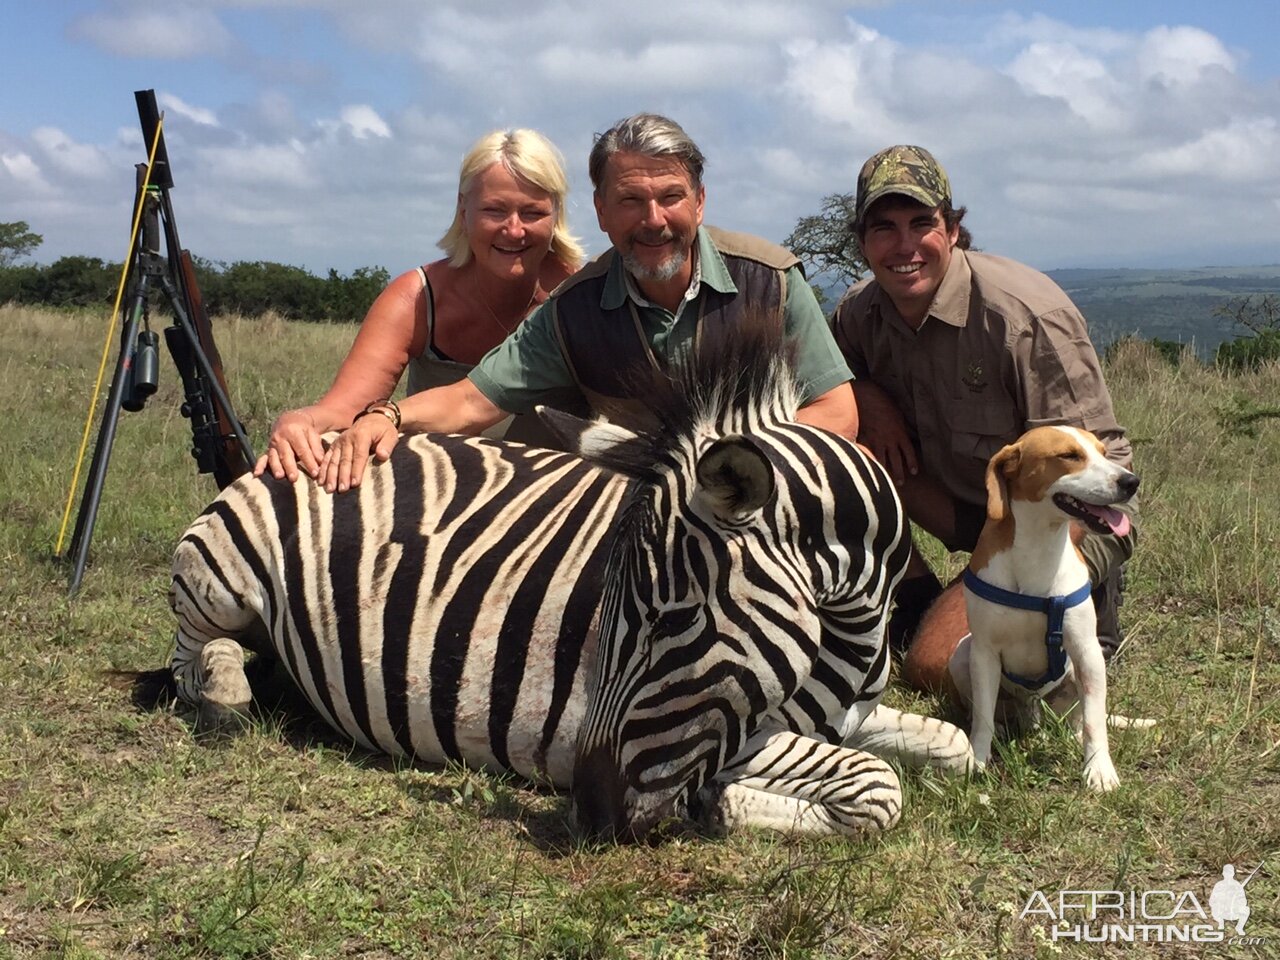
<point>665,270</point>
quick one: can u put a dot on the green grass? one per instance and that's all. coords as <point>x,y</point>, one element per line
<point>122,835</point>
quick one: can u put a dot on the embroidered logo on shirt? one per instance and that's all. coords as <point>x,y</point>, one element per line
<point>974,378</point>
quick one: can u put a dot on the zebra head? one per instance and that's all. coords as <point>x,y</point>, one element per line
<point>748,543</point>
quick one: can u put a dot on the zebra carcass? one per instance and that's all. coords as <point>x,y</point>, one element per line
<point>690,621</point>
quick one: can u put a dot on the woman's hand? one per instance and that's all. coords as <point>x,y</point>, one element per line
<point>343,465</point>
<point>295,439</point>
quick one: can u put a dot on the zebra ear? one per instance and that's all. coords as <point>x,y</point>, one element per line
<point>735,477</point>
<point>596,440</point>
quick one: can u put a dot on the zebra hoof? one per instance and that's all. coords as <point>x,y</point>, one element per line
<point>220,719</point>
<point>225,693</point>
<point>706,809</point>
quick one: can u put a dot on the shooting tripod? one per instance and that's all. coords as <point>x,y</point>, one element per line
<point>219,443</point>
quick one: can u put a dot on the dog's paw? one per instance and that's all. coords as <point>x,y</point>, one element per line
<point>1116,722</point>
<point>1100,775</point>
<point>981,755</point>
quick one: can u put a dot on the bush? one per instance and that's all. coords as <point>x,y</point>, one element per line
<point>247,288</point>
<point>1248,353</point>
<point>20,285</point>
<point>79,282</point>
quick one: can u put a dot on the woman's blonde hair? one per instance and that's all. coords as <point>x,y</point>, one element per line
<point>533,158</point>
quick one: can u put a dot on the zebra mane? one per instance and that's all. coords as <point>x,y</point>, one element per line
<point>737,379</point>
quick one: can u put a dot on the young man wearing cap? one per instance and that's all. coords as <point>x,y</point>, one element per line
<point>957,353</point>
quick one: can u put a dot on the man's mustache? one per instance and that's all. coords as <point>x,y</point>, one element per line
<point>662,236</point>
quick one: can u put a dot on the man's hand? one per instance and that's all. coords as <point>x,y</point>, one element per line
<point>343,465</point>
<point>882,430</point>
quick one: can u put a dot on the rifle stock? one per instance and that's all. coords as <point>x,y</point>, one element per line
<point>229,460</point>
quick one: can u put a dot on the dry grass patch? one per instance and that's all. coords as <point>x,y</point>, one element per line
<point>121,835</point>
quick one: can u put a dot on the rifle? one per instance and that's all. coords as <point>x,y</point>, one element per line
<point>219,443</point>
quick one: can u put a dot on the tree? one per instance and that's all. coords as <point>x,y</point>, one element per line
<point>1255,315</point>
<point>78,282</point>
<point>16,241</point>
<point>1261,317</point>
<point>347,299</point>
<point>826,241</point>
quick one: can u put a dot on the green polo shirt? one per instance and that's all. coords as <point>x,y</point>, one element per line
<point>528,367</point>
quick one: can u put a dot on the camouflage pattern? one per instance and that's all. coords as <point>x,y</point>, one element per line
<point>910,171</point>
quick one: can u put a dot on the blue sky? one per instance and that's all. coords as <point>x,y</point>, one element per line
<point>327,133</point>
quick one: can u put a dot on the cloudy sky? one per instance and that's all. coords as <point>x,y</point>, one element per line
<point>327,133</point>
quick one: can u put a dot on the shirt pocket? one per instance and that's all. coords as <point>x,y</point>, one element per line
<point>979,430</point>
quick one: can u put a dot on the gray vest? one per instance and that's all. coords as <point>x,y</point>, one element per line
<point>607,351</point>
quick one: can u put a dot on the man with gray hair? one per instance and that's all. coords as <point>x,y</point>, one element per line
<point>631,312</point>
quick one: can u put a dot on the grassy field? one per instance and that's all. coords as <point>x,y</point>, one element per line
<point>121,835</point>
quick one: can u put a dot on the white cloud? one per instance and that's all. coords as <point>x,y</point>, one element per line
<point>1017,30</point>
<point>1245,151</point>
<point>171,104</point>
<point>658,67</point>
<point>1180,55</point>
<point>363,122</point>
<point>271,166</point>
<point>24,170</point>
<point>170,32</point>
<point>1081,81</point>
<point>77,159</point>
<point>843,82</point>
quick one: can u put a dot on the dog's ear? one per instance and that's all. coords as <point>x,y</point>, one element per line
<point>1002,465</point>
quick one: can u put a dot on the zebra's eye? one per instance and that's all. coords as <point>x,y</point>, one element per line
<point>676,620</point>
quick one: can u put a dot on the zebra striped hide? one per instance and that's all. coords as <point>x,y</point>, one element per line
<point>690,622</point>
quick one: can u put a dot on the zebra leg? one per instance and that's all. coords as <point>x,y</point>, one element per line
<point>795,784</point>
<point>224,691</point>
<point>218,607</point>
<point>209,675</point>
<point>914,741</point>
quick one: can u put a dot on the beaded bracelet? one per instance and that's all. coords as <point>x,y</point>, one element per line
<point>387,408</point>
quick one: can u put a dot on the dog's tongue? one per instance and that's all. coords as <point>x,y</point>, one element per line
<point>1117,521</point>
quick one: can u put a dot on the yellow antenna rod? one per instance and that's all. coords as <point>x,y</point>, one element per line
<point>106,349</point>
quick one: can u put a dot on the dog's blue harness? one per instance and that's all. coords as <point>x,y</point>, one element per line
<point>1054,608</point>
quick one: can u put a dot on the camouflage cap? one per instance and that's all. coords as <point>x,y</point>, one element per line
<point>910,171</point>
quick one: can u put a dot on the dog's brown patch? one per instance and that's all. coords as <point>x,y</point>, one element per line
<point>1046,455</point>
<point>1023,470</point>
<point>996,537</point>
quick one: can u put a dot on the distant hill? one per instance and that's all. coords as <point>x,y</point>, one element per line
<point>1173,305</point>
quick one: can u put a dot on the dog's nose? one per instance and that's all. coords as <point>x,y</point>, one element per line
<point>1128,484</point>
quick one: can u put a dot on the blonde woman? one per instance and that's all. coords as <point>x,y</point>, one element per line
<point>508,247</point>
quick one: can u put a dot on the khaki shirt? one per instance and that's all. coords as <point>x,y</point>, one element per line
<point>1002,350</point>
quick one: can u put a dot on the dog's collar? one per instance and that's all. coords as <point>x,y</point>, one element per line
<point>1054,608</point>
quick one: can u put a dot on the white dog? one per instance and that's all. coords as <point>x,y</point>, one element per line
<point>1027,592</point>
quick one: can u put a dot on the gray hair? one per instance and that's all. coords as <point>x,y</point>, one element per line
<point>649,135</point>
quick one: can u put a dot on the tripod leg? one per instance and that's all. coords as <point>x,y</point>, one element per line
<point>88,514</point>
